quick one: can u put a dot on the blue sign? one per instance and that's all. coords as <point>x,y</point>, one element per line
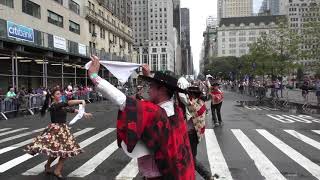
<point>20,32</point>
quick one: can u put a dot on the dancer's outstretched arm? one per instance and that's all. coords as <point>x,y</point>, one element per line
<point>104,87</point>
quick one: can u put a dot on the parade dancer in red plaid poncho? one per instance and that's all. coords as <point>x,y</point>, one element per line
<point>153,131</point>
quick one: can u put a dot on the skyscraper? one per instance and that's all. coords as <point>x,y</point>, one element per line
<point>177,18</point>
<point>154,33</point>
<point>271,6</point>
<point>212,22</point>
<point>187,64</point>
<point>234,8</point>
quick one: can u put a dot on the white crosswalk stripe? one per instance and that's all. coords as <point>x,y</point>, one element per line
<point>129,172</point>
<point>16,161</point>
<point>217,157</point>
<point>304,138</point>
<point>20,135</point>
<point>316,131</point>
<point>13,131</point>
<point>307,164</point>
<point>94,162</point>
<point>20,144</point>
<point>265,166</point>
<point>40,168</point>
<point>4,129</point>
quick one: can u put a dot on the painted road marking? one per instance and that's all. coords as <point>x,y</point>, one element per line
<point>264,165</point>
<point>307,164</point>
<point>40,168</point>
<point>216,159</point>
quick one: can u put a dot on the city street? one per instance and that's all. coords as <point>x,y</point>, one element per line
<point>255,142</point>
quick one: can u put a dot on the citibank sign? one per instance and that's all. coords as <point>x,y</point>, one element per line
<point>20,32</point>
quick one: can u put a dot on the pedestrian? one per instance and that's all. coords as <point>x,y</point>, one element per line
<point>318,90</point>
<point>154,131</point>
<point>305,90</point>
<point>195,113</point>
<point>241,87</point>
<point>56,141</point>
<point>277,87</point>
<point>21,100</point>
<point>11,93</point>
<point>217,97</point>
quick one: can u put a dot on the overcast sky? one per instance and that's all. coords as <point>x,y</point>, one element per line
<point>199,11</point>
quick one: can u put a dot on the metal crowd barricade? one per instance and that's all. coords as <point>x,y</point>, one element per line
<point>35,102</point>
<point>8,105</point>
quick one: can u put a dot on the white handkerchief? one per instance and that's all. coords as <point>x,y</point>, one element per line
<point>78,116</point>
<point>121,70</point>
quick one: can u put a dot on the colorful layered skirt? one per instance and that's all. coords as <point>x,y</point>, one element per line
<point>55,141</point>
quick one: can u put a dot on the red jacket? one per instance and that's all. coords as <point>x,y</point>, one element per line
<point>166,136</point>
<point>217,96</point>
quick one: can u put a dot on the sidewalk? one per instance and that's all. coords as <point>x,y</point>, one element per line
<point>295,96</point>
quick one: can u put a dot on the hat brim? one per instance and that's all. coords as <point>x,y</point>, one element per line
<point>151,79</point>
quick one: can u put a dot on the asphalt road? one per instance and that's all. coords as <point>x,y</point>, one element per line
<point>256,142</point>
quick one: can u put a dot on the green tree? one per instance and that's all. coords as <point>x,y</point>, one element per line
<point>222,66</point>
<point>275,53</point>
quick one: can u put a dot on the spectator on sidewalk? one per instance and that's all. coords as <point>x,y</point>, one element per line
<point>318,90</point>
<point>11,93</point>
<point>305,90</point>
<point>241,87</point>
<point>277,87</point>
<point>21,96</point>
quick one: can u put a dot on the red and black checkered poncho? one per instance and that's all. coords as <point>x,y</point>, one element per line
<point>166,136</point>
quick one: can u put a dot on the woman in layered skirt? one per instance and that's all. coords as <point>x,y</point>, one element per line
<point>56,141</point>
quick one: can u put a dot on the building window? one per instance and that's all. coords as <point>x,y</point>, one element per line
<point>164,62</point>
<point>232,51</point>
<point>232,39</point>
<point>252,38</point>
<point>154,50</point>
<point>91,5</point>
<point>59,1</point>
<point>8,3</point>
<point>92,46</point>
<point>31,8</point>
<point>55,19</point>
<point>232,45</point>
<point>232,33</point>
<point>242,39</point>
<point>73,6</point>
<point>92,28</point>
<point>163,49</point>
<point>102,33</point>
<point>154,62</point>
<point>74,27</point>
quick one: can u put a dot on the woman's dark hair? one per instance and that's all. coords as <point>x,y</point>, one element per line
<point>47,100</point>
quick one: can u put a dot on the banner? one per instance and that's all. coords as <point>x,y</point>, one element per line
<point>20,32</point>
<point>59,42</point>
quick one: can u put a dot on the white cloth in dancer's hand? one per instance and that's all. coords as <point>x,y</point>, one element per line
<point>79,116</point>
<point>121,70</point>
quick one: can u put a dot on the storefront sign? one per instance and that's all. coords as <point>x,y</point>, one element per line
<point>20,32</point>
<point>82,49</point>
<point>59,42</point>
